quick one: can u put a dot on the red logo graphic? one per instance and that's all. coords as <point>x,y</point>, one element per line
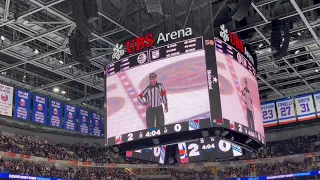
<point>55,111</point>
<point>22,103</point>
<point>84,119</point>
<point>139,43</point>
<point>39,107</point>
<point>4,97</point>
<point>236,42</point>
<point>70,116</point>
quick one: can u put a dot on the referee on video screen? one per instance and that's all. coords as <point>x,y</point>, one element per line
<point>248,101</point>
<point>153,96</point>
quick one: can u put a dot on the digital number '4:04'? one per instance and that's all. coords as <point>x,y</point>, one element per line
<point>153,133</point>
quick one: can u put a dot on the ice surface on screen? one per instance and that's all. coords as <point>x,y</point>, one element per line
<point>184,79</point>
<point>232,99</point>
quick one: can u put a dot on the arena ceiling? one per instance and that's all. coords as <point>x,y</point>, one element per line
<point>34,53</point>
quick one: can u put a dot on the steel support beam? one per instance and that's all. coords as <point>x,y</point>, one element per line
<point>32,11</point>
<point>261,23</point>
<point>6,10</point>
<point>65,81</point>
<point>87,98</point>
<point>269,85</point>
<point>188,13</point>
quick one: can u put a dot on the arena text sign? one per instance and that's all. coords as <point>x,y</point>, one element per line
<point>228,36</point>
<point>147,41</point>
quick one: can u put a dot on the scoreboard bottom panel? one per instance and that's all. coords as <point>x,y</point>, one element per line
<point>185,127</point>
<point>207,148</point>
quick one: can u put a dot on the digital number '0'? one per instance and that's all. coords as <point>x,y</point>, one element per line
<point>224,146</point>
<point>177,127</point>
<point>156,151</point>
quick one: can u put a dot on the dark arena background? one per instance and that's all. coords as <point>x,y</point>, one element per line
<point>159,89</point>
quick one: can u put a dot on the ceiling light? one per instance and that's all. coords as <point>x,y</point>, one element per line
<point>299,34</point>
<point>56,89</point>
<point>2,38</point>
<point>317,70</point>
<point>61,62</point>
<point>83,103</point>
<point>68,99</point>
<point>297,51</point>
<point>260,45</point>
<point>36,51</point>
<point>63,92</point>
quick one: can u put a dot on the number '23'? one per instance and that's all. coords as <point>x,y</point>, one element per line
<point>267,114</point>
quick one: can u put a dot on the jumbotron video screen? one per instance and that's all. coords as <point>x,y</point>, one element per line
<point>158,91</point>
<point>182,87</point>
<point>240,101</point>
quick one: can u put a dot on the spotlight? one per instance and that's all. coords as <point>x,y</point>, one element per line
<point>2,38</point>
<point>63,92</point>
<point>36,51</point>
<point>299,34</point>
<point>297,51</point>
<point>56,89</point>
<point>260,45</point>
<point>61,62</point>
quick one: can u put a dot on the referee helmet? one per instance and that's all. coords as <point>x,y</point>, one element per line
<point>152,75</point>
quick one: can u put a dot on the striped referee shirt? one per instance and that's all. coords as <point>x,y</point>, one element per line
<point>153,95</point>
<point>247,98</point>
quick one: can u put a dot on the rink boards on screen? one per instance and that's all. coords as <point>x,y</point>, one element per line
<point>291,110</point>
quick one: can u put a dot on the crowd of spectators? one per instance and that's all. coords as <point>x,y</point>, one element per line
<point>95,153</point>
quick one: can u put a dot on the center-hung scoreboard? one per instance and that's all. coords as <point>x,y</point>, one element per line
<point>300,108</point>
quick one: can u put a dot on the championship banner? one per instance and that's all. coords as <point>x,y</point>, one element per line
<point>317,102</point>
<point>55,114</point>
<point>39,109</point>
<point>305,107</point>
<point>84,121</point>
<point>96,124</point>
<point>269,114</point>
<point>22,105</point>
<point>70,117</point>
<point>286,111</point>
<point>6,100</point>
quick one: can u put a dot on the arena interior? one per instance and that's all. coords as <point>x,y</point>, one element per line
<point>54,55</point>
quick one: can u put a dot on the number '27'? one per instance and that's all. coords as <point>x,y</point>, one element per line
<point>285,111</point>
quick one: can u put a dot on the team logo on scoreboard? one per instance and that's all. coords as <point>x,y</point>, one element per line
<point>141,58</point>
<point>194,125</point>
<point>118,139</point>
<point>22,102</point>
<point>177,78</point>
<point>114,104</point>
<point>183,153</point>
<point>4,97</point>
<point>39,107</point>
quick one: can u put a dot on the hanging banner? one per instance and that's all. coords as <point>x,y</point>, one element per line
<point>96,124</point>
<point>286,111</point>
<point>269,114</point>
<point>22,105</point>
<point>39,114</point>
<point>84,121</point>
<point>305,107</point>
<point>70,117</point>
<point>55,114</point>
<point>6,93</point>
<point>316,97</point>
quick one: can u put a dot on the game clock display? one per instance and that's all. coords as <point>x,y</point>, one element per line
<point>207,148</point>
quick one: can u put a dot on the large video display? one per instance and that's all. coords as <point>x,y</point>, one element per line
<point>156,92</point>
<point>240,102</point>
